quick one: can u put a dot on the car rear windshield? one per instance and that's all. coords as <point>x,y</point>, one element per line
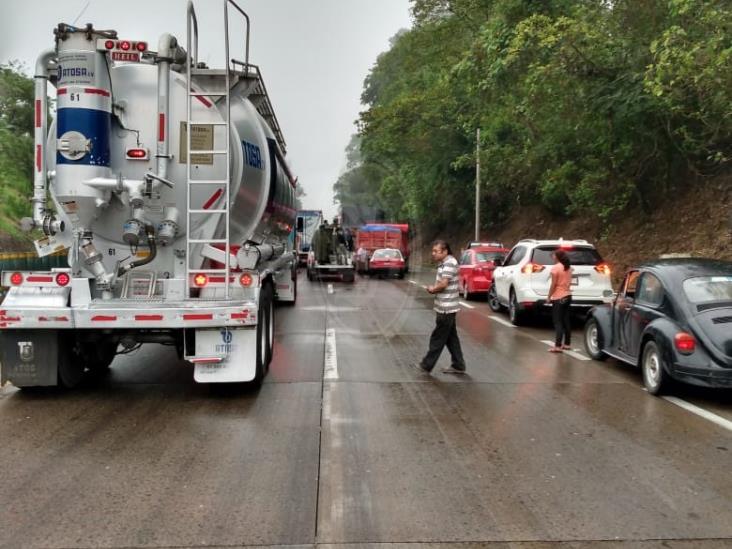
<point>577,256</point>
<point>706,289</point>
<point>490,256</point>
<point>387,254</point>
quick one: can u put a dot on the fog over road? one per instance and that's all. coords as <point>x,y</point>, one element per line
<point>344,444</point>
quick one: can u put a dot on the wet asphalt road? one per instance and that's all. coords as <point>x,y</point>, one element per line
<point>530,450</point>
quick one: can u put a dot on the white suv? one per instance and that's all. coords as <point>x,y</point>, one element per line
<point>522,282</point>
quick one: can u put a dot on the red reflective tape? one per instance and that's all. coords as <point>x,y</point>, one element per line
<point>161,127</point>
<point>103,318</point>
<point>148,317</point>
<point>38,113</point>
<point>10,318</point>
<point>38,158</point>
<point>62,91</point>
<point>37,278</point>
<point>2,312</point>
<point>62,319</point>
<point>198,317</point>
<point>96,91</point>
<point>214,197</point>
<point>42,319</point>
<point>240,316</point>
<point>204,101</point>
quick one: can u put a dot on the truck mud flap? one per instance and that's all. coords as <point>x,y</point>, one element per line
<point>29,358</point>
<point>237,350</point>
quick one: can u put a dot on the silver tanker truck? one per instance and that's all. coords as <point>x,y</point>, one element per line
<point>167,183</point>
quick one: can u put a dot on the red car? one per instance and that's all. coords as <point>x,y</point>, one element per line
<point>387,261</point>
<point>476,269</point>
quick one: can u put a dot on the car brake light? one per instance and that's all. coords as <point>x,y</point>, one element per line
<point>603,268</point>
<point>530,268</point>
<point>246,280</point>
<point>63,279</point>
<point>200,280</point>
<point>16,279</point>
<point>685,343</point>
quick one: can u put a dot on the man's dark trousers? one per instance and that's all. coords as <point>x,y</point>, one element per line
<point>445,333</point>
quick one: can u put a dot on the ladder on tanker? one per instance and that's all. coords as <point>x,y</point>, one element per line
<point>203,84</point>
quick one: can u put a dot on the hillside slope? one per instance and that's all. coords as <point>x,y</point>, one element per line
<point>696,222</point>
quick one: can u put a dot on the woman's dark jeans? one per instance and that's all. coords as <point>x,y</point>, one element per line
<point>562,321</point>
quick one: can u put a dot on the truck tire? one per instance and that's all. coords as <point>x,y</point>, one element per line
<point>261,354</point>
<point>98,356</point>
<point>71,364</point>
<point>268,303</point>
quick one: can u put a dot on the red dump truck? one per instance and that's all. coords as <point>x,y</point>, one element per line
<point>373,236</point>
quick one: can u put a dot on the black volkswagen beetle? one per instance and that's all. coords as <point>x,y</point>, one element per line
<point>671,317</point>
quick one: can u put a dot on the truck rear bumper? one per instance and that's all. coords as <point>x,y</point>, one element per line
<point>126,314</point>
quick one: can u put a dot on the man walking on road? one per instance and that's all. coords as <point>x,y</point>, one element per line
<point>445,290</point>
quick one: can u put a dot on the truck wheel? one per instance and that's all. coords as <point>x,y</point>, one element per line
<point>269,326</point>
<point>98,356</point>
<point>262,338</point>
<point>71,364</point>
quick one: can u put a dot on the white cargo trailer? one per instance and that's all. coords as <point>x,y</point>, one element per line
<point>167,184</point>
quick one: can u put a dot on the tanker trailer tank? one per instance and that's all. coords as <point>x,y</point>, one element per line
<point>174,199</point>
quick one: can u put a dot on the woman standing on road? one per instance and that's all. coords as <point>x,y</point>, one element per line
<point>560,295</point>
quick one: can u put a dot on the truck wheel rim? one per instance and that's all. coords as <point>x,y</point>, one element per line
<point>653,367</point>
<point>591,338</point>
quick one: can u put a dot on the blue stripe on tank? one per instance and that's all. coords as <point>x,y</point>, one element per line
<point>95,125</point>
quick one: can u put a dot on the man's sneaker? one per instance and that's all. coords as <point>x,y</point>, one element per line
<point>419,368</point>
<point>452,370</point>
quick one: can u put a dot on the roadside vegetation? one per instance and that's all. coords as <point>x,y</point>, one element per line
<point>587,108</point>
<point>16,153</point>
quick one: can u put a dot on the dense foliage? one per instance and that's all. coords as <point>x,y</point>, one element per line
<point>16,147</point>
<point>584,106</point>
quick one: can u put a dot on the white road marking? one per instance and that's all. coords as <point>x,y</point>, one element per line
<point>701,412</point>
<point>501,321</point>
<point>573,354</point>
<point>330,370</point>
<point>330,288</point>
<point>467,305</point>
<point>414,282</point>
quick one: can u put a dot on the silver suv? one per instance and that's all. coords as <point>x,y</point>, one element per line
<point>522,282</point>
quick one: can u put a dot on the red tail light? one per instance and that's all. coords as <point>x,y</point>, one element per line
<point>124,45</point>
<point>137,153</point>
<point>63,279</point>
<point>246,280</point>
<point>685,343</point>
<point>141,46</point>
<point>109,44</point>
<point>530,268</point>
<point>603,268</point>
<point>200,280</point>
<point>16,279</point>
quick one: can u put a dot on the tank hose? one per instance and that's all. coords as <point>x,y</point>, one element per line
<point>150,232</point>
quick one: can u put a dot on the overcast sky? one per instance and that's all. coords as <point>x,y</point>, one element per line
<point>314,56</point>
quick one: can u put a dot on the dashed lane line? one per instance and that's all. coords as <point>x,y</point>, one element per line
<point>572,353</point>
<point>501,321</point>
<point>466,305</point>
<point>330,288</point>
<point>330,370</point>
<point>701,412</point>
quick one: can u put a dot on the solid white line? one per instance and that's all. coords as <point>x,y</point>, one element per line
<point>330,370</point>
<point>573,354</point>
<point>714,418</point>
<point>501,321</point>
<point>467,305</point>
<point>330,288</point>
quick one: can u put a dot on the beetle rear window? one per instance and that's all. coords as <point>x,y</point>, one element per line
<point>577,256</point>
<point>706,289</point>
